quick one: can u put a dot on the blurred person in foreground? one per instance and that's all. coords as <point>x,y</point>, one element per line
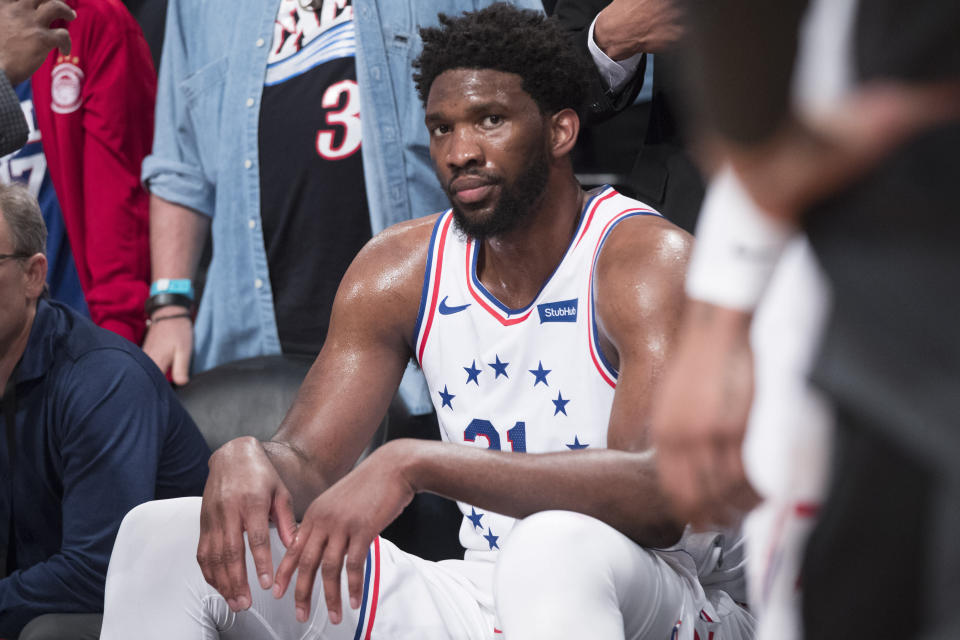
<point>870,182</point>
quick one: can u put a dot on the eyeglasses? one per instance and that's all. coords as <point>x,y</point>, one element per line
<point>14,256</point>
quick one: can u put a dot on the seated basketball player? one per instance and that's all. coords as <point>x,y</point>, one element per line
<point>541,315</point>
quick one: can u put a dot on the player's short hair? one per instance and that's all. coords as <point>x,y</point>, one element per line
<point>504,38</point>
<point>22,214</point>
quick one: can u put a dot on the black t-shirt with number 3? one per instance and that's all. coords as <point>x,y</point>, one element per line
<point>313,204</point>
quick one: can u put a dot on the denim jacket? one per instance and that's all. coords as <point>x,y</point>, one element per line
<point>205,149</point>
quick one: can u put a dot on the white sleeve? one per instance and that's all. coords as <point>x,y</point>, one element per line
<point>614,73</point>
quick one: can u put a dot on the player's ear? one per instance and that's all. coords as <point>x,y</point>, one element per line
<point>564,129</point>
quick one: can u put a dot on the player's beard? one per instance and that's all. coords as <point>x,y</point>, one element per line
<point>516,202</point>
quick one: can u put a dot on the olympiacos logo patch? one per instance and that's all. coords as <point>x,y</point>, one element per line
<point>67,85</point>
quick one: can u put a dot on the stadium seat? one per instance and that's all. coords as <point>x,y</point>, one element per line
<point>63,626</point>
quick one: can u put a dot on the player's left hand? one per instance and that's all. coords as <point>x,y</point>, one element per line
<point>341,524</point>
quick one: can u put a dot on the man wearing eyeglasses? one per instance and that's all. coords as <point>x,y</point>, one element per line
<point>90,430</point>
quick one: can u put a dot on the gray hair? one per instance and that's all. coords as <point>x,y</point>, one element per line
<point>22,213</point>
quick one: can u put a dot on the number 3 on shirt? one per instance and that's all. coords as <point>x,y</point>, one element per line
<point>347,117</point>
<point>517,436</point>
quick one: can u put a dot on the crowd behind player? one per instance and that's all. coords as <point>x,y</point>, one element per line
<point>705,479</point>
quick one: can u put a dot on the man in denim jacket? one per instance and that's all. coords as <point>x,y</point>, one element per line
<point>277,258</point>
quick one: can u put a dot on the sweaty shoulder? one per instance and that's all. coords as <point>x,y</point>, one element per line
<point>649,242</point>
<point>639,280</point>
<point>385,280</point>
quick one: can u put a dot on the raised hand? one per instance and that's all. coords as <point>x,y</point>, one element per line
<point>627,27</point>
<point>243,494</point>
<point>339,527</point>
<point>26,36</point>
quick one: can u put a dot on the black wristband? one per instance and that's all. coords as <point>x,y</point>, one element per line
<point>167,300</point>
<point>172,316</point>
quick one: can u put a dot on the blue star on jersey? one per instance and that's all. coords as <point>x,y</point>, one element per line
<point>446,397</point>
<point>499,368</point>
<point>492,540</point>
<point>540,374</point>
<point>576,444</point>
<point>472,373</point>
<point>560,404</point>
<point>475,518</point>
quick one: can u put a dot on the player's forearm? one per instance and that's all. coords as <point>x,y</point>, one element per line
<point>617,487</point>
<point>177,235</point>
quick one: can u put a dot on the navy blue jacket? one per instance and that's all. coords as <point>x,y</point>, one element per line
<point>98,431</point>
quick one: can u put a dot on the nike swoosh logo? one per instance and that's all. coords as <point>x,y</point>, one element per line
<point>445,310</point>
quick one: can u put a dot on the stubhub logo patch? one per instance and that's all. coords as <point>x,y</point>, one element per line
<point>561,311</point>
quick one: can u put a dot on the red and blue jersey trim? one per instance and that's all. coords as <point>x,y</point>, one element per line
<point>371,593</point>
<point>607,371</point>
<point>590,210</point>
<point>504,314</point>
<point>434,254</point>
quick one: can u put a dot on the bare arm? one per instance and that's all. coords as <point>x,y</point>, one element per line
<point>349,387</point>
<point>338,408</point>
<point>742,55</point>
<point>177,235</point>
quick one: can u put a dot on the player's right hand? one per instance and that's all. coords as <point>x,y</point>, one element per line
<point>243,494</point>
<point>169,343</point>
<point>700,417</point>
<point>26,37</point>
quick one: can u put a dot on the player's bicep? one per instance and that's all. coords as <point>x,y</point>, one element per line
<point>350,385</point>
<point>378,299</point>
<point>639,298</point>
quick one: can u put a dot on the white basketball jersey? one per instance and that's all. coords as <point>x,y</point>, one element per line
<point>525,380</point>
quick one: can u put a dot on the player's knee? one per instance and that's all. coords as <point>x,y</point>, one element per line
<point>562,551</point>
<point>552,567</point>
<point>547,551</point>
<point>155,528</point>
<point>544,535</point>
<point>145,521</point>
